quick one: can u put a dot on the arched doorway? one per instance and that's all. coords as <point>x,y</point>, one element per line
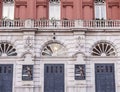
<point>104,72</point>
<point>6,70</point>
<point>53,72</point>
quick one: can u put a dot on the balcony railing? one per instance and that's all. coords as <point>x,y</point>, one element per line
<point>12,23</point>
<point>101,23</point>
<point>59,23</point>
<point>54,23</point>
<point>78,23</point>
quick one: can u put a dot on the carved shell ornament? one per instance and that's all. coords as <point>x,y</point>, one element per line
<point>6,49</point>
<point>103,49</point>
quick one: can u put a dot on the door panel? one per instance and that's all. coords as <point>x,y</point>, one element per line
<point>110,84</point>
<point>59,78</point>
<point>54,78</point>
<point>48,79</point>
<point>104,78</point>
<point>101,86</point>
<point>6,77</point>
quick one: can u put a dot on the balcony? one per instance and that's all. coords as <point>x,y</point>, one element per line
<point>5,24</point>
<point>8,24</point>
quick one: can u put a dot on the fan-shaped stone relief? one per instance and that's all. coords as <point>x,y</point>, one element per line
<point>6,49</point>
<point>103,49</point>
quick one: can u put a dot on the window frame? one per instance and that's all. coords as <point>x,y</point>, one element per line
<point>53,6</point>
<point>8,9</point>
<point>100,10</point>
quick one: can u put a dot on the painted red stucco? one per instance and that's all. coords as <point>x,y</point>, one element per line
<point>70,9</point>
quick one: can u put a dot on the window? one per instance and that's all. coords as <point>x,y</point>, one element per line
<point>27,72</point>
<point>80,72</point>
<point>100,9</point>
<point>54,9</point>
<point>54,49</point>
<point>8,9</point>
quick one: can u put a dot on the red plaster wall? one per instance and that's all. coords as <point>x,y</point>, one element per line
<point>114,12</point>
<point>67,9</point>
<point>88,9</point>
<point>113,9</point>
<point>77,9</point>
<point>31,9</point>
<point>87,13</point>
<point>70,9</point>
<point>20,9</point>
<point>42,9</point>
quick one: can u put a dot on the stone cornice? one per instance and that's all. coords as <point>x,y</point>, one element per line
<point>71,29</point>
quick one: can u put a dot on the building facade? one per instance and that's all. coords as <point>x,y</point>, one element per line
<point>60,46</point>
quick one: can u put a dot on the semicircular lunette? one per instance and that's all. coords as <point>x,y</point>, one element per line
<point>54,49</point>
<point>103,49</point>
<point>6,49</point>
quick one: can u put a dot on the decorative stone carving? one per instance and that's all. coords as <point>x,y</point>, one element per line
<point>29,43</point>
<point>103,49</point>
<point>7,49</point>
<point>29,23</point>
<point>80,44</point>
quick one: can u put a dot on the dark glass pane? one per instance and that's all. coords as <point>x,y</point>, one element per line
<point>0,69</point>
<point>56,69</point>
<point>98,69</point>
<point>5,69</point>
<point>106,69</point>
<point>47,69</point>
<point>60,69</point>
<point>102,68</point>
<point>9,69</point>
<point>111,69</point>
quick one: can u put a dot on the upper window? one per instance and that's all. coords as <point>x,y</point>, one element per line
<point>103,49</point>
<point>54,49</point>
<point>8,9</point>
<point>100,9</point>
<point>54,9</point>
